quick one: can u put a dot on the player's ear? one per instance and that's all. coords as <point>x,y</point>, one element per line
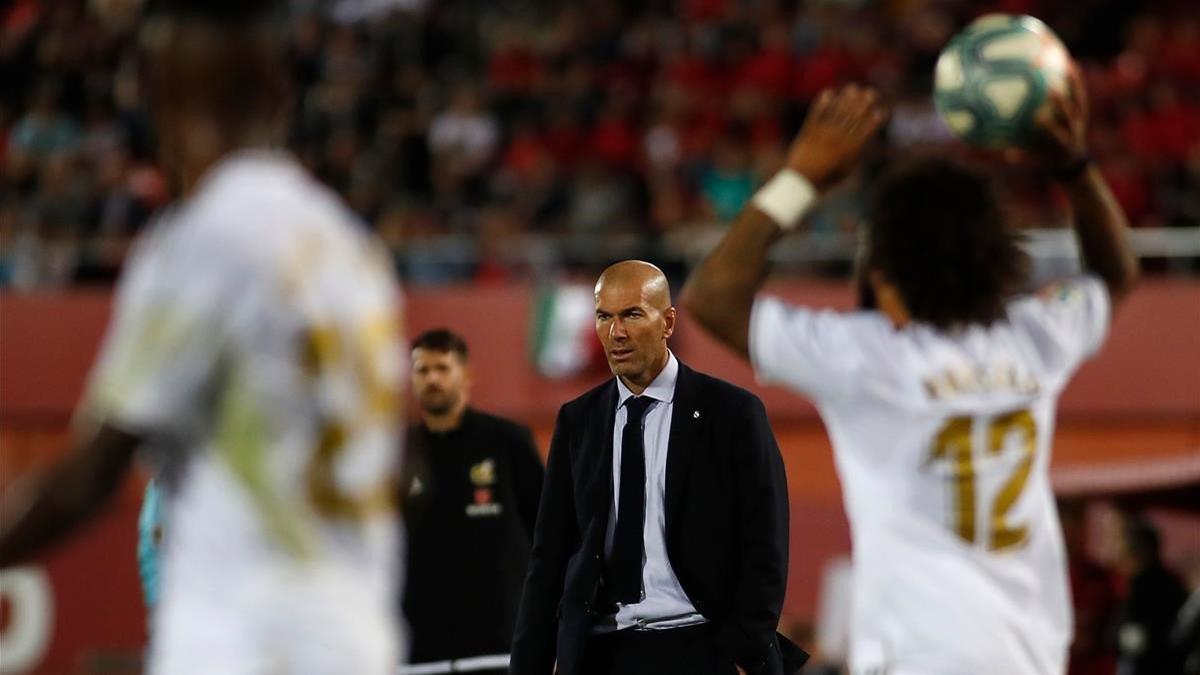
<point>669,316</point>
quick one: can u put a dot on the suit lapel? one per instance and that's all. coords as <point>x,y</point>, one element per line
<point>686,422</point>
<point>599,447</point>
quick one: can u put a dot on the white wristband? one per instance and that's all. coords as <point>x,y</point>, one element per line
<point>786,198</point>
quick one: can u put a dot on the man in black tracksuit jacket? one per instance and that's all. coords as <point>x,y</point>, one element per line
<point>473,484</point>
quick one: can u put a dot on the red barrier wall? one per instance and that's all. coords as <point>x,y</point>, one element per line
<point>1150,366</point>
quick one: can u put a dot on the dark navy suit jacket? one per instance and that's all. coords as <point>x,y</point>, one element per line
<point>726,527</point>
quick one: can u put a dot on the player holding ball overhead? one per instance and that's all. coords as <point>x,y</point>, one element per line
<point>940,400</point>
<point>997,75</point>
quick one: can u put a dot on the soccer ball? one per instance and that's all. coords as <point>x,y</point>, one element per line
<point>994,76</point>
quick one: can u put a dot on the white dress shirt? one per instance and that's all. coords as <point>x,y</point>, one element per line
<point>663,603</point>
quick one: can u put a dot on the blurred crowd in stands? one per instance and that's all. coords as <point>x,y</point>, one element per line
<point>1135,589</point>
<point>1134,613</point>
<point>491,140</point>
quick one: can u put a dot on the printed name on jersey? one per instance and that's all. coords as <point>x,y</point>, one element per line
<point>963,380</point>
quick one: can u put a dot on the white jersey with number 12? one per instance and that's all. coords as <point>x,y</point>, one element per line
<point>942,443</point>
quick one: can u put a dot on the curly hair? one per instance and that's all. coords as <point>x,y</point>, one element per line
<point>939,232</point>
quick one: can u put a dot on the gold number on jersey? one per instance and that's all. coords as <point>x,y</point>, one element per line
<point>324,350</point>
<point>953,444</point>
<point>1003,535</point>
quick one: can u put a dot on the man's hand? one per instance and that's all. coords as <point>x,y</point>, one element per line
<point>1100,223</point>
<point>720,293</point>
<point>1061,145</point>
<point>838,127</point>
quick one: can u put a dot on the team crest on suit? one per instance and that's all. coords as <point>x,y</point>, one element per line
<point>483,477</point>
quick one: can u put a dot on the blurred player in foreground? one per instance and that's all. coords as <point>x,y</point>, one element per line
<point>253,353</point>
<point>940,403</point>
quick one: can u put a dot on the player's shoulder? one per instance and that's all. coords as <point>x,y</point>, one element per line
<point>843,340</point>
<point>262,187</point>
<point>267,204</point>
<point>777,314</point>
<point>186,242</point>
<point>1064,291</point>
<point>236,203</point>
<point>1060,297</point>
<point>864,325</point>
<point>264,199</point>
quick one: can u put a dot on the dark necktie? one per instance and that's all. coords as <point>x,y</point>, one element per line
<point>625,560</point>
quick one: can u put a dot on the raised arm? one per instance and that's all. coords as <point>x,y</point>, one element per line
<point>720,292</point>
<point>1101,227</point>
<point>1100,224</point>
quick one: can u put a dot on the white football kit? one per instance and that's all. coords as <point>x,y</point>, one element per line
<point>254,343</point>
<point>942,444</point>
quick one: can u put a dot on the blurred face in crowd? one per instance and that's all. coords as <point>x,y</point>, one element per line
<point>634,318</point>
<point>440,380</point>
<point>1073,517</point>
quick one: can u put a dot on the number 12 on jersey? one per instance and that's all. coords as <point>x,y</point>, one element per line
<point>954,444</point>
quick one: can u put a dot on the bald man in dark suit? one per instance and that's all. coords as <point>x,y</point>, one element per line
<point>662,533</point>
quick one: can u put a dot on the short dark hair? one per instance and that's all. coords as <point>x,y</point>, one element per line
<point>442,340</point>
<point>938,231</point>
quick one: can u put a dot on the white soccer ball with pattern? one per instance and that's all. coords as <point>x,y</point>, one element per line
<point>994,76</point>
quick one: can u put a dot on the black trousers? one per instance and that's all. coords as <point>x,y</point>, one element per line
<point>690,650</point>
